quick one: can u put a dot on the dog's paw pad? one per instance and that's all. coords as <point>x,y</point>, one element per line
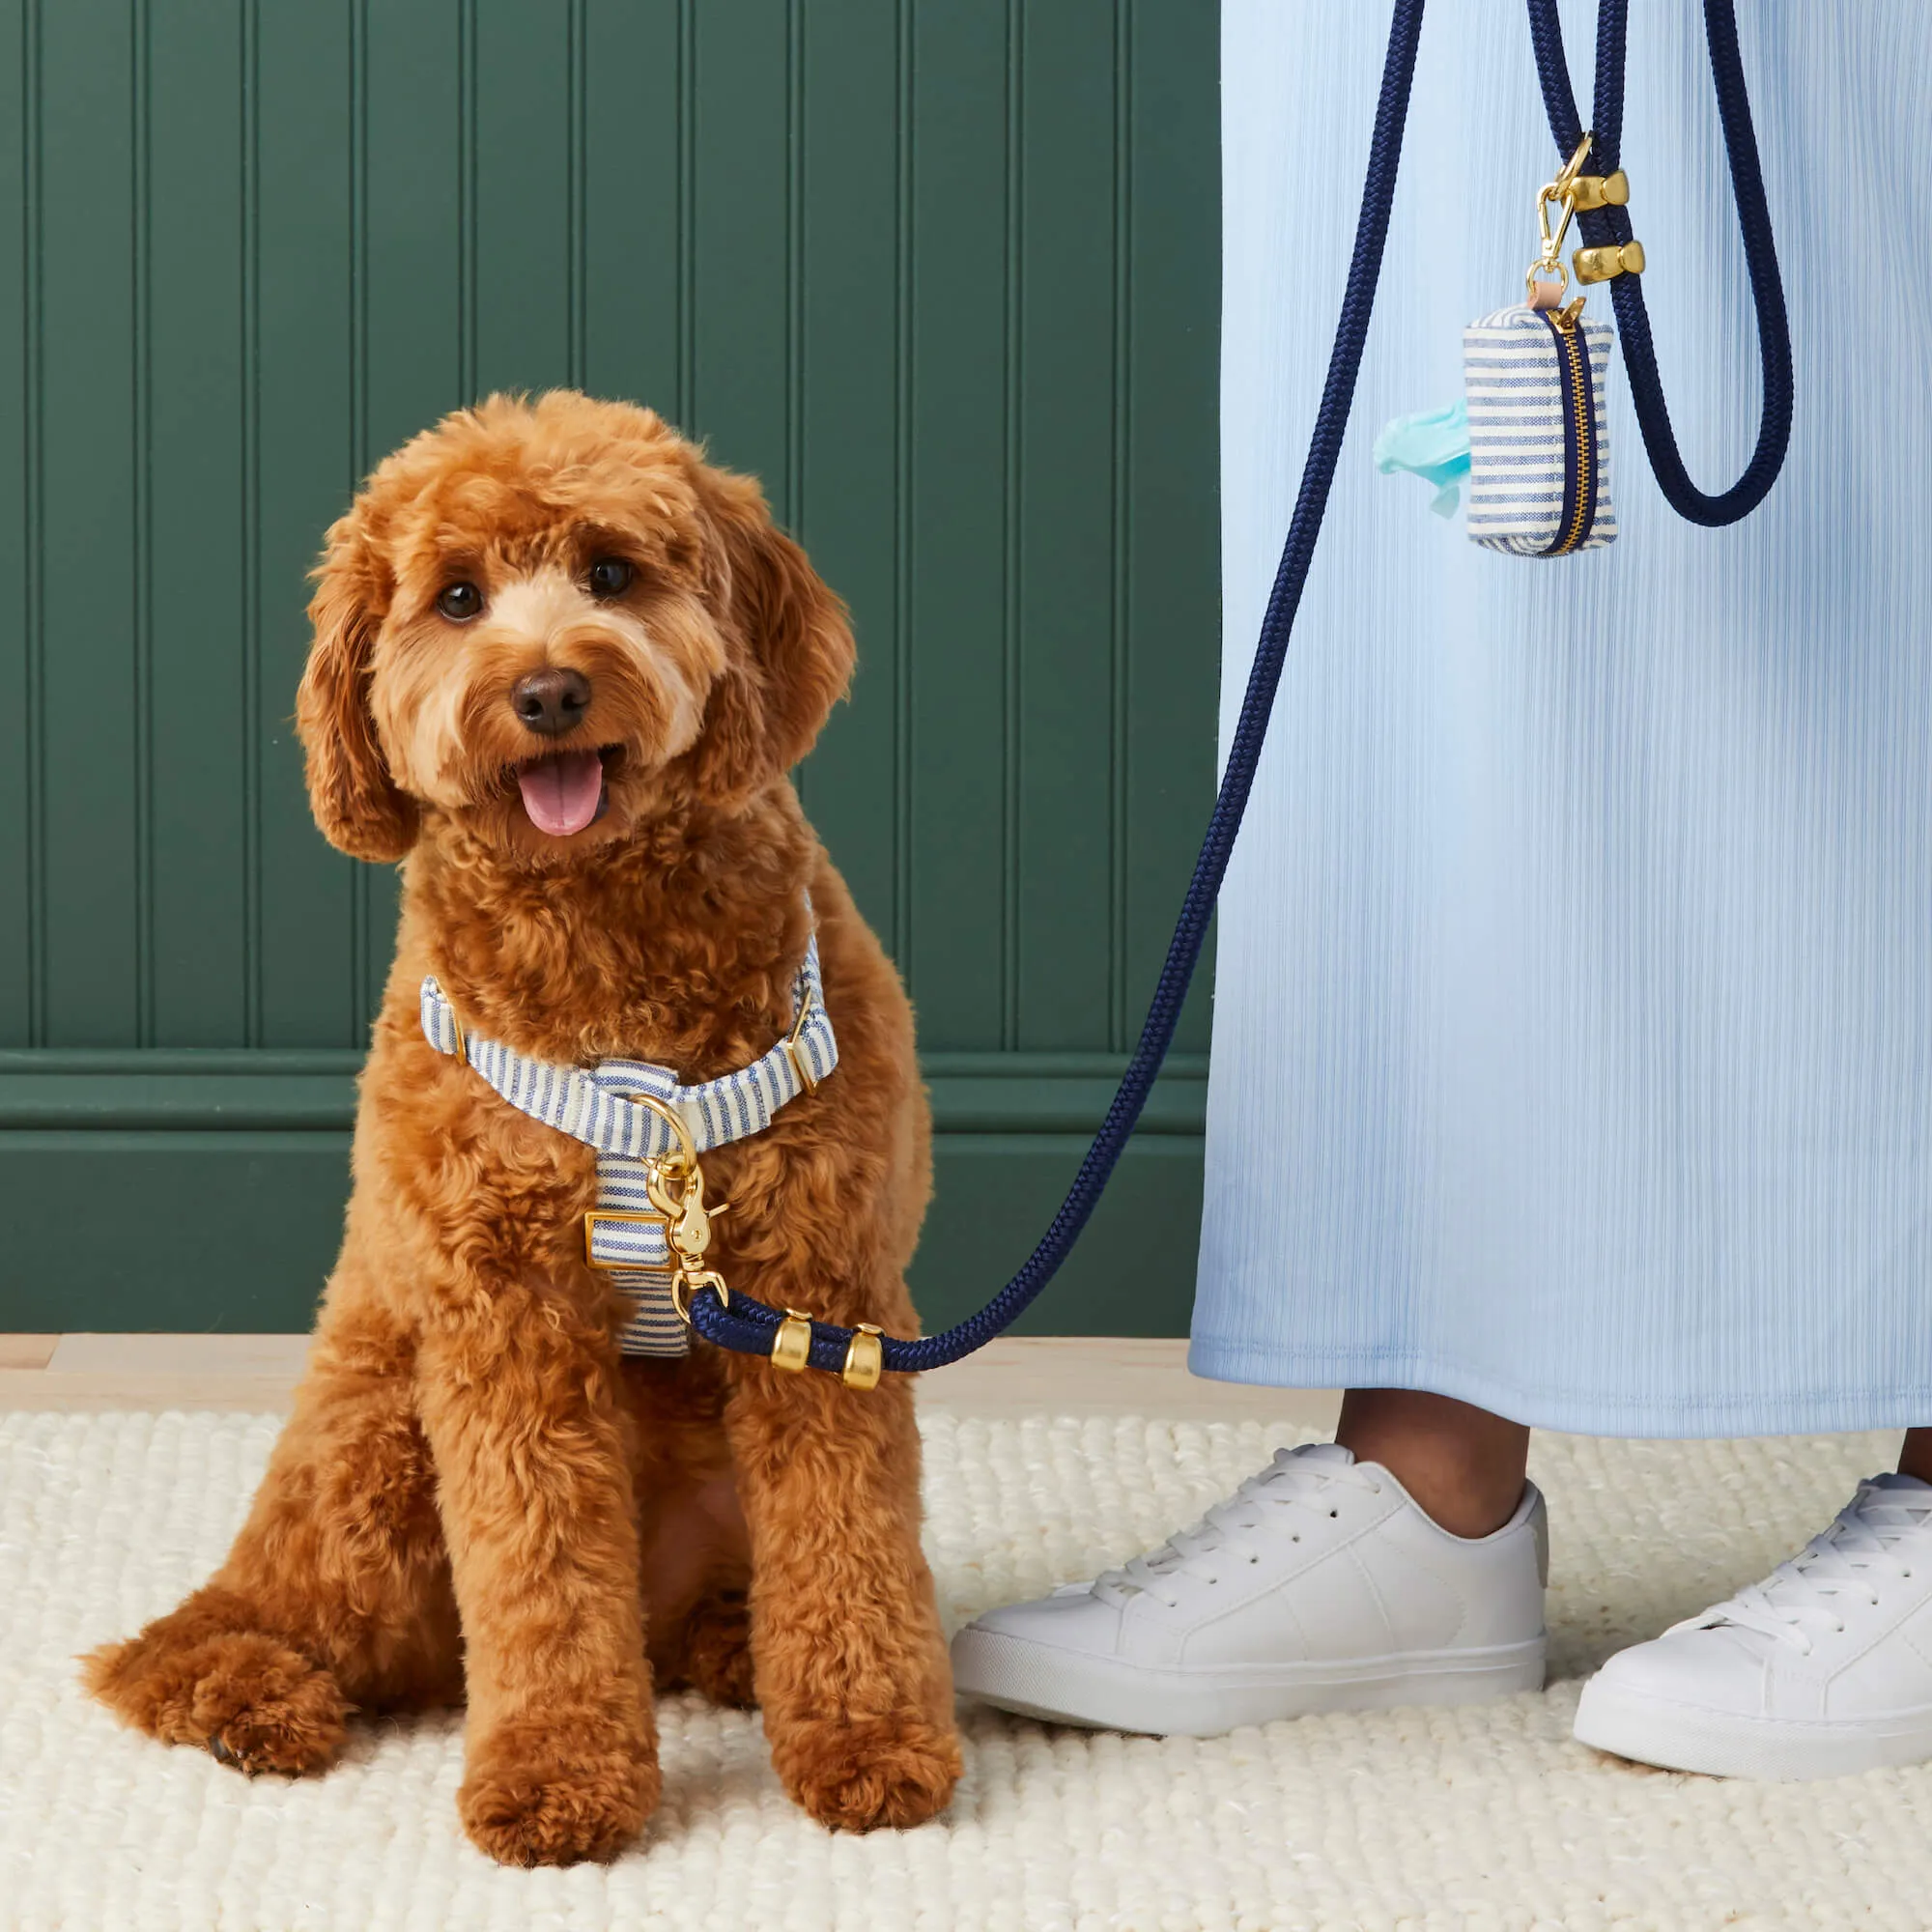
<point>867,1772</point>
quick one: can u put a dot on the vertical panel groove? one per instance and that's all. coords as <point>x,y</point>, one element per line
<point>575,351</point>
<point>1121,450</point>
<point>792,512</point>
<point>465,201</point>
<point>795,268</point>
<point>251,522</point>
<point>33,289</point>
<point>905,278</point>
<point>687,216</point>
<point>359,1005</point>
<point>1012,745</point>
<point>141,407</point>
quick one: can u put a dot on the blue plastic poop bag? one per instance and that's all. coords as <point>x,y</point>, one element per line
<point>1434,445</point>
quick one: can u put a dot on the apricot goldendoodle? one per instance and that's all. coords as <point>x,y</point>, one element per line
<point>561,669</point>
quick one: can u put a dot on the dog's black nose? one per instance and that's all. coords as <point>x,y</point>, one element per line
<point>551,702</point>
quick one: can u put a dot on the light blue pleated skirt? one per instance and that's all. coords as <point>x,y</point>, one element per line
<point>1573,1033</point>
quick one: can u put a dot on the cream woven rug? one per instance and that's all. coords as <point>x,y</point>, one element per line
<point>1480,1818</point>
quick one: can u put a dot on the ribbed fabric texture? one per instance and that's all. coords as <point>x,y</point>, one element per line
<point>1574,1022</point>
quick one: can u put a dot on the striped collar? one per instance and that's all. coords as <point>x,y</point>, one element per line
<point>588,1103</point>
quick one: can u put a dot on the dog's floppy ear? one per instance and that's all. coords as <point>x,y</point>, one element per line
<point>764,715</point>
<point>354,801</point>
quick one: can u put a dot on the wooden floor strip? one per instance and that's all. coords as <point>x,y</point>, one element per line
<point>1070,1375</point>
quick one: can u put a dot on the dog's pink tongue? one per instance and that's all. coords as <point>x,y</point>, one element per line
<point>560,794</point>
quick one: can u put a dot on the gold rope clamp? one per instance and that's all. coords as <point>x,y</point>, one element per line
<point>865,1357</point>
<point>791,1342</point>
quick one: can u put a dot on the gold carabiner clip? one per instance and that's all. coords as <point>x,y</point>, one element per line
<point>1548,264</point>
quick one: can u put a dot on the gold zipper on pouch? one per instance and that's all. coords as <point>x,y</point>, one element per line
<point>1564,322</point>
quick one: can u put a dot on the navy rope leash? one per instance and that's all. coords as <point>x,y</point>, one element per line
<point>747,1325</point>
<point>1611,226</point>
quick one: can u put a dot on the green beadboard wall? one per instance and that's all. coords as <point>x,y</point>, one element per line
<point>943,272</point>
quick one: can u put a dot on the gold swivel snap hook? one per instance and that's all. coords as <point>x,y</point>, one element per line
<point>1546,279</point>
<point>675,1183</point>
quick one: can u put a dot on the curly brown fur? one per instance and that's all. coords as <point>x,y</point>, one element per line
<point>476,1496</point>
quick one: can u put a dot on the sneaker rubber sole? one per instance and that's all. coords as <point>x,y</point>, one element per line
<point>1063,1687</point>
<point>1722,1744</point>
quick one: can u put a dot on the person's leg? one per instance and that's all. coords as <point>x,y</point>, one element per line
<point>1463,1466</point>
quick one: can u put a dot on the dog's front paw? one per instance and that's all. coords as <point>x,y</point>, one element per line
<point>245,1698</point>
<point>556,1792</point>
<point>866,1772</point>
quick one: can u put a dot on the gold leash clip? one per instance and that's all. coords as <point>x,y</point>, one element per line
<point>675,1183</point>
<point>1548,263</point>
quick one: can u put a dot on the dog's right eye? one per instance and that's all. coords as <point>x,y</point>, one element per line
<point>458,602</point>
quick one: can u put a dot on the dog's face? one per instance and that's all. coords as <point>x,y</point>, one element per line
<point>544,621</point>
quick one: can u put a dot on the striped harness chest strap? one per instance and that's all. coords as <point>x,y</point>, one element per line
<point>626,1233</point>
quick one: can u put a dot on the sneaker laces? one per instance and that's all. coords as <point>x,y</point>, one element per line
<point>1842,1565</point>
<point>1298,1478</point>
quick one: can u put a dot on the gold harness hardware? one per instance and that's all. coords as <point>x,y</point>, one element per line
<point>597,1214</point>
<point>675,1183</point>
<point>794,1052</point>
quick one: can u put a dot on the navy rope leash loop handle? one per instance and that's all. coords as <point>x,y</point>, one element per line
<point>747,1325</point>
<point>1611,225</point>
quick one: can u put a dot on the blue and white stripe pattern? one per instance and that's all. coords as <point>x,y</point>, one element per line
<point>590,1105</point>
<point>1517,425</point>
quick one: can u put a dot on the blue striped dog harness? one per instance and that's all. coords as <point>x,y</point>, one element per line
<point>619,1107</point>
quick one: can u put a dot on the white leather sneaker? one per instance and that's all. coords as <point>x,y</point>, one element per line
<point>1822,1670</point>
<point>1319,1586</point>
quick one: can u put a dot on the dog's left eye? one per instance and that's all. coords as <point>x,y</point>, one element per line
<point>610,577</point>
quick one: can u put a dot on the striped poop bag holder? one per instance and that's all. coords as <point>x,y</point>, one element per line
<point>1539,441</point>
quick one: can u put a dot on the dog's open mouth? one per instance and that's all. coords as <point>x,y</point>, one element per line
<point>565,792</point>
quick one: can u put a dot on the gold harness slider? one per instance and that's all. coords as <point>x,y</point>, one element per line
<point>597,1214</point>
<point>865,1357</point>
<point>794,1051</point>
<point>791,1342</point>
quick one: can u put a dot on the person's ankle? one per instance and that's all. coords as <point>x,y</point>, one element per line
<point>1914,1455</point>
<point>1469,1508</point>
<point>1463,1467</point>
